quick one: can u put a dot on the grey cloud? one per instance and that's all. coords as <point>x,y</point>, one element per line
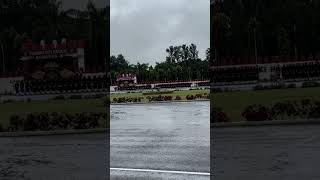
<point>141,30</point>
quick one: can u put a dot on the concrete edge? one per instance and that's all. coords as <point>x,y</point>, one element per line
<point>54,132</point>
<point>264,123</point>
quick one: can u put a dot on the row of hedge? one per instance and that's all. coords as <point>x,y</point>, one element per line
<point>56,121</point>
<point>294,109</point>
<point>159,98</point>
<point>127,99</point>
<point>303,109</point>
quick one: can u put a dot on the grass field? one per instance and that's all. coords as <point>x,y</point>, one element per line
<point>182,94</point>
<point>71,106</point>
<point>233,103</point>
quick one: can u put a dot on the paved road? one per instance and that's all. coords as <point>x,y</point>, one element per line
<point>264,153</point>
<point>160,136</point>
<point>63,157</point>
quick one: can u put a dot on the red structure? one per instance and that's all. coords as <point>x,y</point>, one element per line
<point>52,60</point>
<point>126,80</point>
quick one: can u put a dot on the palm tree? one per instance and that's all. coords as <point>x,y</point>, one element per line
<point>221,26</point>
<point>98,33</point>
<point>252,25</point>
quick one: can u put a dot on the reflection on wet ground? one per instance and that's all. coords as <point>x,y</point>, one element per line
<point>161,136</point>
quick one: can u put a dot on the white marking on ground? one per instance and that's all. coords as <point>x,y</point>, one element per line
<point>161,171</point>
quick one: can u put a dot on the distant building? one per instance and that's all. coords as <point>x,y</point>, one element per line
<point>126,80</point>
<point>52,60</point>
<point>274,69</point>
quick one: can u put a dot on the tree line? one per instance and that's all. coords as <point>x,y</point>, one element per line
<point>46,20</point>
<point>265,28</point>
<point>182,63</point>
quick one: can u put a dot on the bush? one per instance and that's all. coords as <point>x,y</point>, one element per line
<point>15,122</point>
<point>30,123</point>
<point>178,98</point>
<point>198,96</point>
<point>219,116</point>
<point>303,109</point>
<point>53,121</point>
<point>190,97</point>
<point>256,113</point>
<point>315,110</point>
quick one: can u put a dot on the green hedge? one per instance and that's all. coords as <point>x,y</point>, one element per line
<point>57,121</point>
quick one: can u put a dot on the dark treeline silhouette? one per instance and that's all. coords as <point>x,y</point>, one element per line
<point>182,64</point>
<point>252,31</point>
<point>46,20</point>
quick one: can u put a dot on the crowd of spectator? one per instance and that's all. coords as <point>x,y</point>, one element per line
<point>301,71</point>
<point>286,71</point>
<point>76,84</point>
<point>171,85</point>
<point>233,74</point>
<point>174,85</point>
<point>139,87</point>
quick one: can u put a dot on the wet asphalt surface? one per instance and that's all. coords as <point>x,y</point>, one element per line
<point>160,136</point>
<point>60,157</point>
<point>178,142</point>
<point>289,152</point>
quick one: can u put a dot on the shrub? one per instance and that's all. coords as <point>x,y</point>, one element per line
<point>15,122</point>
<point>30,123</point>
<point>219,116</point>
<point>178,98</point>
<point>54,121</point>
<point>190,97</point>
<point>198,96</point>
<point>256,113</point>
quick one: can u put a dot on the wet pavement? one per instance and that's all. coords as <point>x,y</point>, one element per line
<point>63,157</point>
<point>169,136</point>
<point>160,136</point>
<point>288,152</point>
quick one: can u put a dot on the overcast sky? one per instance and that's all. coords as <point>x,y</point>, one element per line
<point>141,30</point>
